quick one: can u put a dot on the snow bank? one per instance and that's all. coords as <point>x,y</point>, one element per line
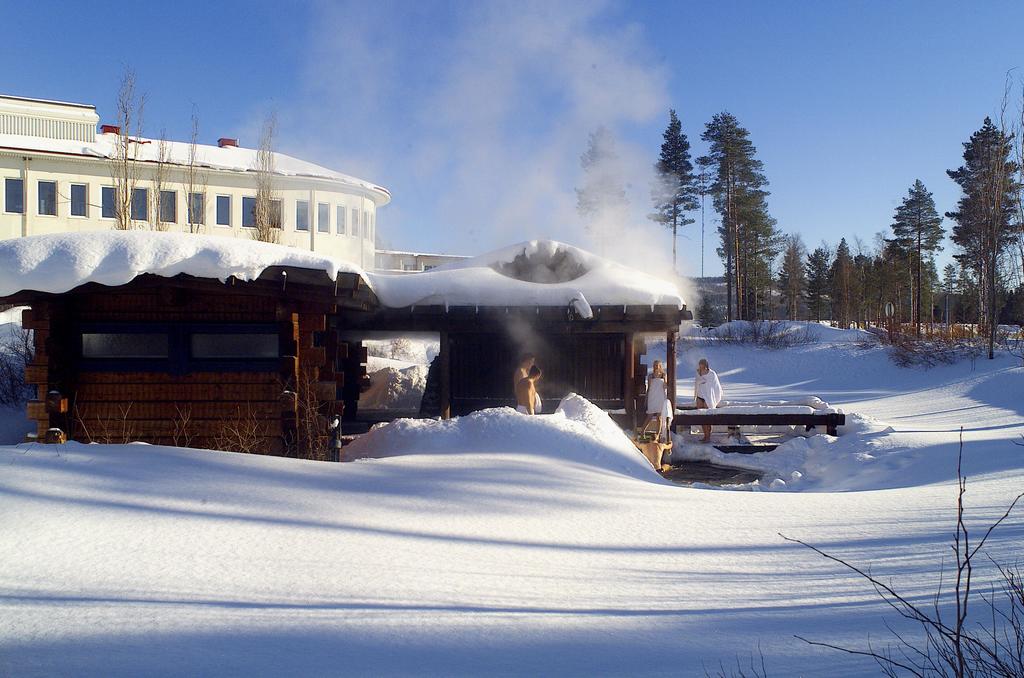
<point>808,463</point>
<point>60,262</point>
<point>535,273</point>
<point>789,330</point>
<point>577,432</point>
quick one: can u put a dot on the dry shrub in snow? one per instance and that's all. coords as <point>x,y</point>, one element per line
<point>311,433</point>
<point>951,642</point>
<point>767,333</point>
<point>243,432</point>
<point>754,668</point>
<point>911,351</point>
<point>1013,343</point>
<point>118,429</point>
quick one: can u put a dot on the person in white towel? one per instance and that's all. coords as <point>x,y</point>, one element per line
<point>526,392</point>
<point>659,409</point>
<point>707,392</point>
<point>527,361</point>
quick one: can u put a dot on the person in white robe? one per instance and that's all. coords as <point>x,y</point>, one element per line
<point>707,393</point>
<point>659,409</point>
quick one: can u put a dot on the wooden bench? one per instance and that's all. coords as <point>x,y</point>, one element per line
<point>830,420</point>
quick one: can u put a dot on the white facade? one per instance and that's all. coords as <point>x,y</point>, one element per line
<point>398,261</point>
<point>56,176</point>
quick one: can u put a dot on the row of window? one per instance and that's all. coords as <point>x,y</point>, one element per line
<point>347,220</point>
<point>342,226</point>
<point>201,345</point>
<point>179,348</point>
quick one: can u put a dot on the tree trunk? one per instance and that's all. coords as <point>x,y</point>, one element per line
<point>917,316</point>
<point>674,269</point>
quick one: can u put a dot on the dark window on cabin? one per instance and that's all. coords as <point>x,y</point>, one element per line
<point>234,345</point>
<point>14,196</point>
<point>180,348</point>
<point>148,345</point>
<point>301,215</point>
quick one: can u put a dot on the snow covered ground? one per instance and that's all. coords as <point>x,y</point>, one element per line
<point>498,544</point>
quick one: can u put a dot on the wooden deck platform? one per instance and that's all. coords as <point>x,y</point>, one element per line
<point>830,421</point>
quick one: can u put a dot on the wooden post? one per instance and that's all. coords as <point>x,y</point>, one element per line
<point>670,367</point>
<point>446,377</point>
<point>628,380</point>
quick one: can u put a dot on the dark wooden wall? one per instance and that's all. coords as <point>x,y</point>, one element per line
<point>483,364</point>
<point>194,408</point>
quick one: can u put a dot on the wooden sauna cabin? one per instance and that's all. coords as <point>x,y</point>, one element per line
<point>203,341</point>
<point>195,362</point>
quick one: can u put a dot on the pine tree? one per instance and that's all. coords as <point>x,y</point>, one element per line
<point>793,276</point>
<point>707,314</point>
<point>863,270</point>
<point>840,284</point>
<point>818,280</point>
<point>917,231</point>
<point>984,214</point>
<point>674,192</point>
<point>930,284</point>
<point>601,202</point>
<point>949,287</point>
<point>739,198</point>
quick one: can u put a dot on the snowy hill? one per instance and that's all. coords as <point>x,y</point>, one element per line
<point>502,545</point>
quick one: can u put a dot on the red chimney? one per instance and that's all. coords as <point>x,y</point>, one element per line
<point>224,142</point>
<point>110,129</point>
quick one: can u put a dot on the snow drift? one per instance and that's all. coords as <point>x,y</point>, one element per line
<point>578,432</point>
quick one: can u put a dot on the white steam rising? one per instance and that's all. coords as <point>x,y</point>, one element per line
<point>475,116</point>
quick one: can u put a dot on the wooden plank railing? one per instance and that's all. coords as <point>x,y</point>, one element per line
<point>830,420</point>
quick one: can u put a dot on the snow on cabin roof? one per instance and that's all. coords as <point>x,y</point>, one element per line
<point>534,273</point>
<point>61,262</point>
<point>228,158</point>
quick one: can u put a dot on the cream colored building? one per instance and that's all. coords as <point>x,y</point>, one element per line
<point>56,176</point>
<point>400,261</point>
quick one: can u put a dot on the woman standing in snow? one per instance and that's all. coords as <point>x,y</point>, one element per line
<point>658,407</point>
<point>707,393</point>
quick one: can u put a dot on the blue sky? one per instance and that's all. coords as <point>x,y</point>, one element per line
<point>474,115</point>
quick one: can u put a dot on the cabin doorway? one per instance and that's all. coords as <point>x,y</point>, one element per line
<point>391,374</point>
